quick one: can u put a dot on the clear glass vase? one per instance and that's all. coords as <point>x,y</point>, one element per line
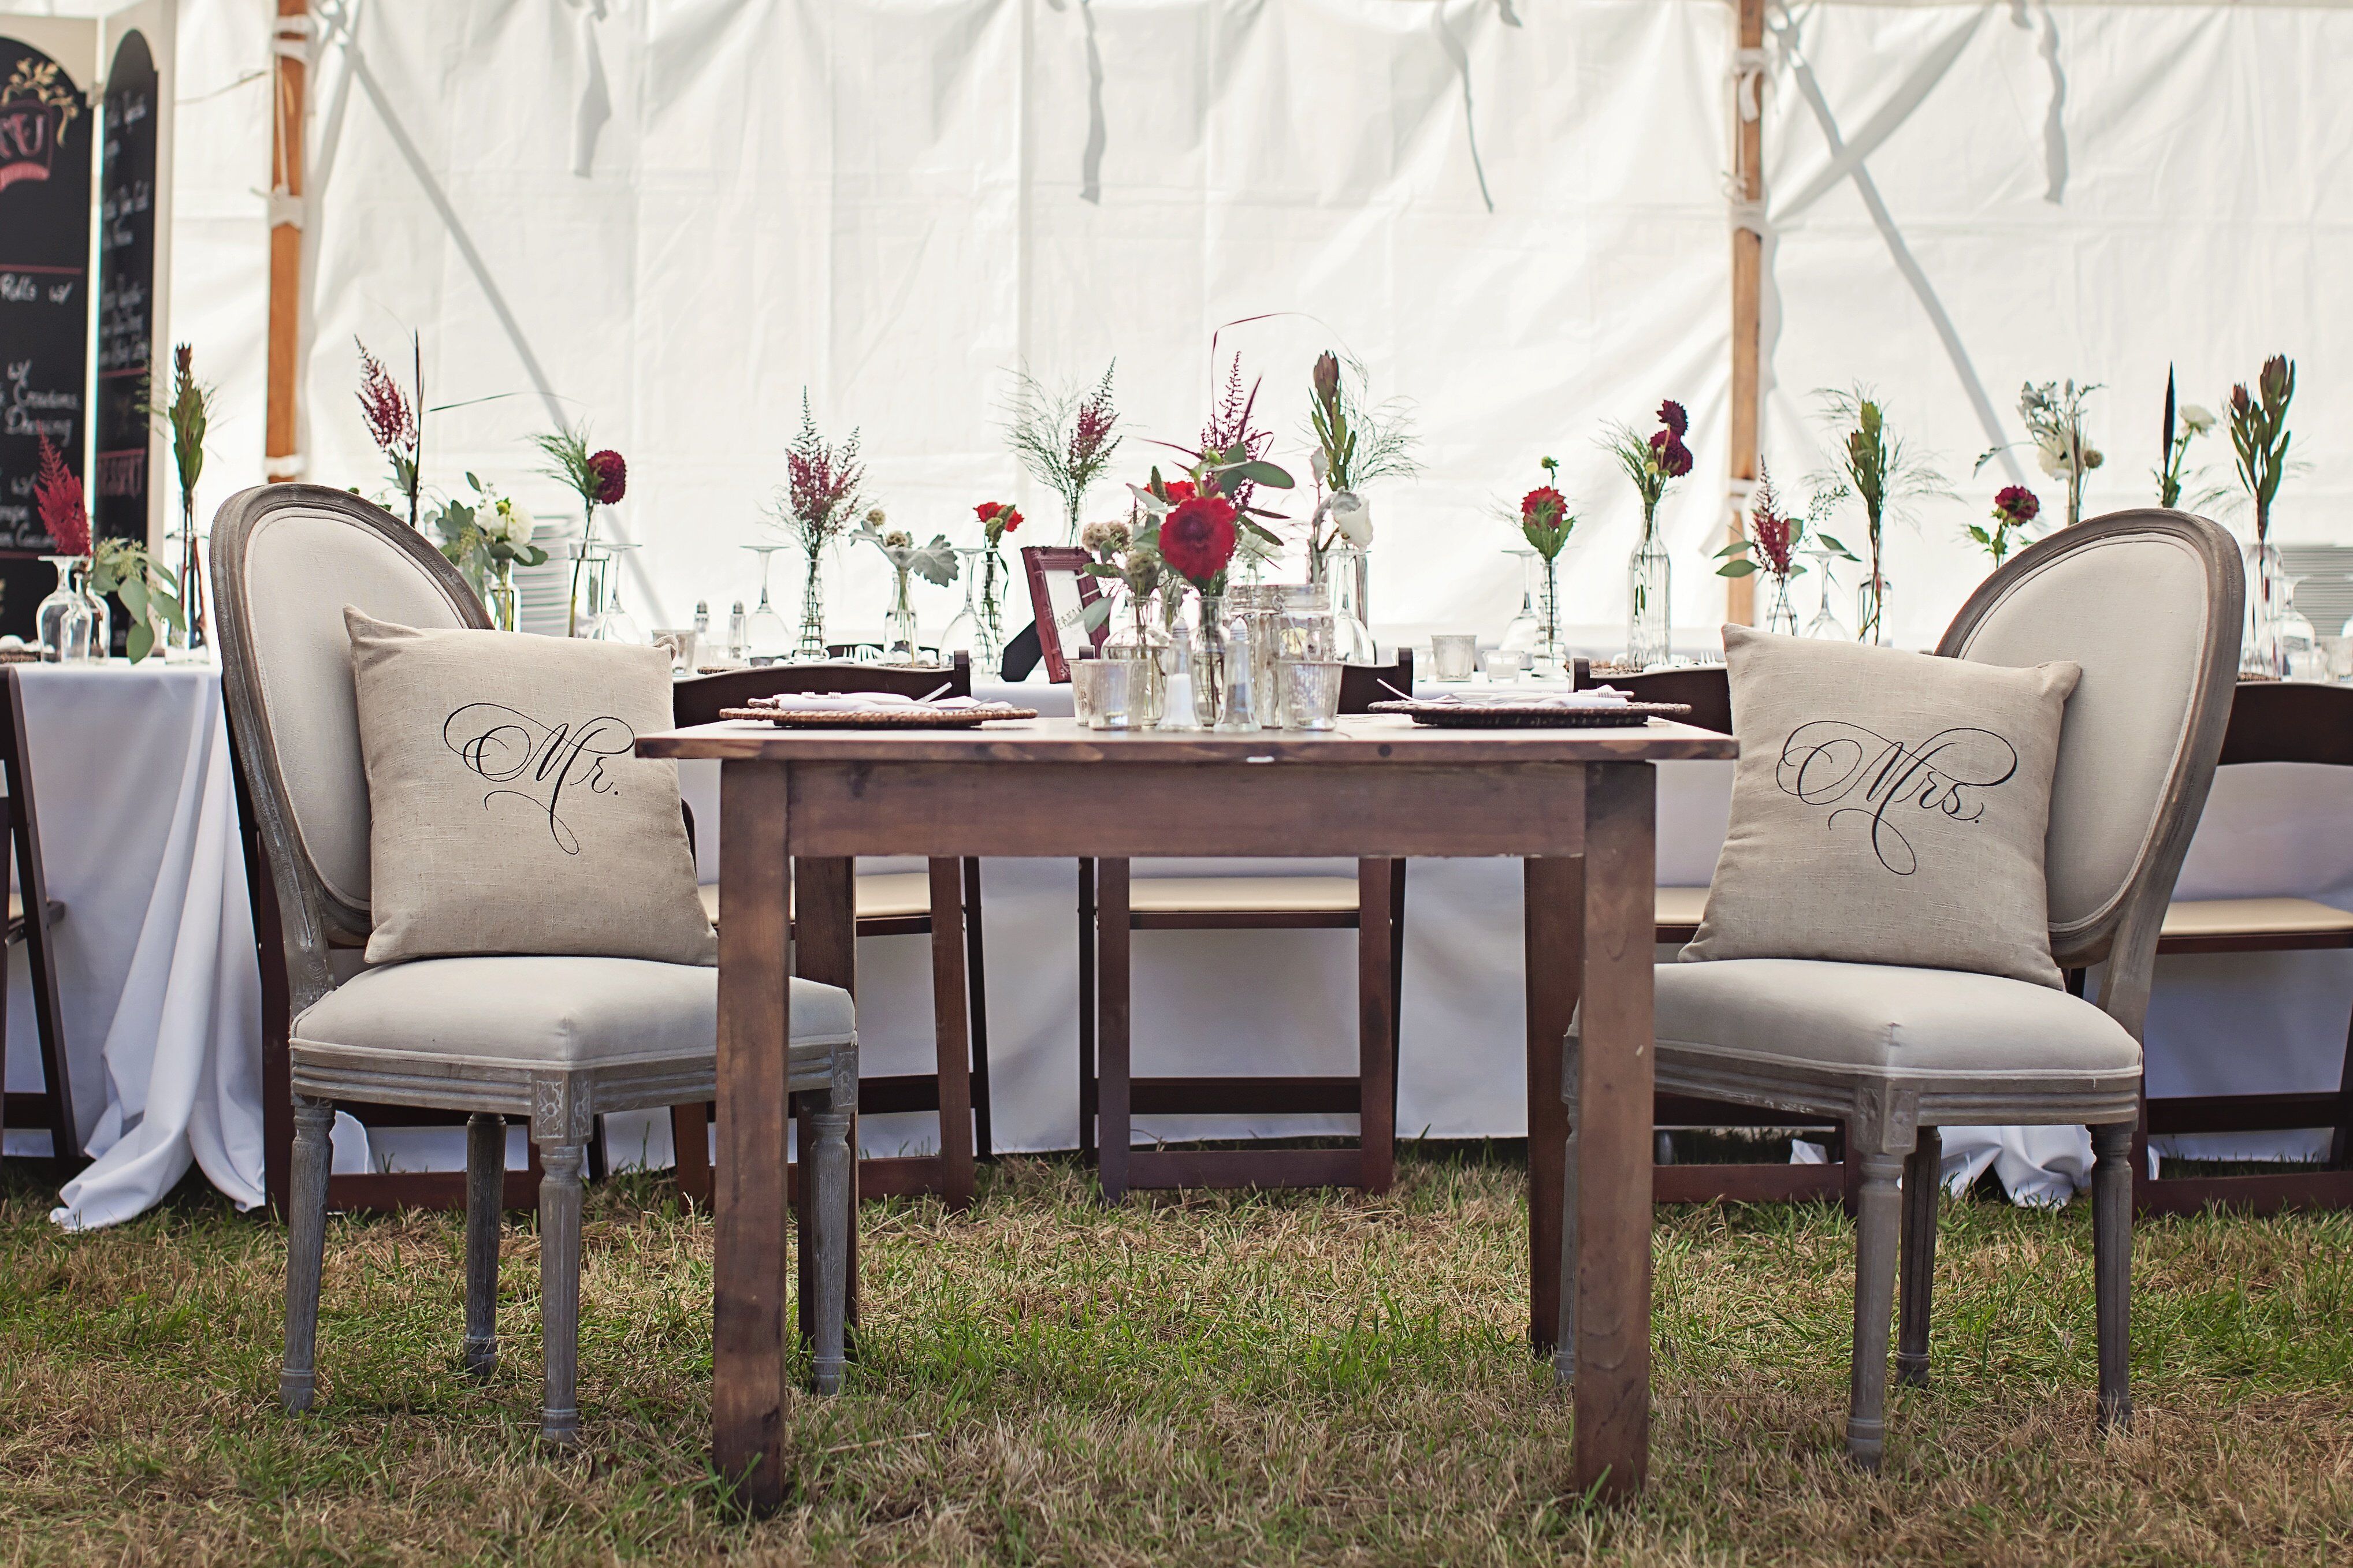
<point>498,597</point>
<point>74,624</point>
<point>1780,615</point>
<point>2262,652</point>
<point>1136,636</point>
<point>1870,601</point>
<point>1344,572</point>
<point>901,643</point>
<point>988,648</point>
<point>191,640</point>
<point>2301,655</point>
<point>810,649</point>
<point>1212,695</point>
<point>1650,580</point>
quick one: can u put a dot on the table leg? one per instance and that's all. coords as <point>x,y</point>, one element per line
<point>750,1399</point>
<point>1555,896</point>
<point>1375,1025</point>
<point>952,1029</point>
<point>1612,1268</point>
<point>825,949</point>
<point>1113,938</point>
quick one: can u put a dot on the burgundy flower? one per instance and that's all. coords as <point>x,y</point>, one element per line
<point>1672,416</point>
<point>390,423</point>
<point>1545,506</point>
<point>1671,457</point>
<point>612,476</point>
<point>2016,505</point>
<point>58,498</point>
<point>1198,538</point>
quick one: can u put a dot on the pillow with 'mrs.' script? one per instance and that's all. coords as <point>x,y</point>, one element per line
<point>1888,807</point>
<point>508,811</point>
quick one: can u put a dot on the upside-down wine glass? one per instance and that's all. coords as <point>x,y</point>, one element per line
<point>614,624</point>
<point>767,636</point>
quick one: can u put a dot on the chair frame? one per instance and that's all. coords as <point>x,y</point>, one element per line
<point>957,1086</point>
<point>52,1107</point>
<point>2271,721</point>
<point>562,1103</point>
<point>1891,1120</point>
<point>1110,1097</point>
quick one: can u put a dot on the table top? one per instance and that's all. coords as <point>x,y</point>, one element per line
<point>1368,740</point>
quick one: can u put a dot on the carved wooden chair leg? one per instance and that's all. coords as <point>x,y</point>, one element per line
<point>2111,1199</point>
<point>1876,1219</point>
<point>829,1169</point>
<point>562,1152</point>
<point>486,1185</point>
<point>306,1248</point>
<point>1923,1173</point>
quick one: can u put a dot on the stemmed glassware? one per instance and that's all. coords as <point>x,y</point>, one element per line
<point>767,635</point>
<point>1524,631</point>
<point>968,633</point>
<point>2300,650</point>
<point>1824,625</point>
<point>612,623</point>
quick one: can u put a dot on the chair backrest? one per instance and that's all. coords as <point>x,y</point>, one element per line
<point>1362,685</point>
<point>285,558</point>
<point>1706,688</point>
<point>699,700</point>
<point>2290,721</point>
<point>2148,602</point>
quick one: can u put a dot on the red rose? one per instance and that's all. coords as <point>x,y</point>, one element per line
<point>1198,538</point>
<point>1672,416</point>
<point>1008,521</point>
<point>986,511</point>
<point>1544,507</point>
<point>1176,490</point>
<point>612,477</point>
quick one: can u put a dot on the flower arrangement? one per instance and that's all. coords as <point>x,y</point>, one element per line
<point>1355,445</point>
<point>486,539</point>
<point>2259,440</point>
<point>1771,546</point>
<point>820,499</point>
<point>2194,421</point>
<point>119,566</point>
<point>1878,469</point>
<point>1546,522</point>
<point>395,424</point>
<point>2015,508</point>
<point>599,478</point>
<point>188,417</point>
<point>1064,439</point>
<point>2054,413</point>
<point>1655,463</point>
<point>997,519</point>
<point>934,562</point>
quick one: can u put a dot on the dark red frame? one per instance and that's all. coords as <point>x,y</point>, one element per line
<point>1037,561</point>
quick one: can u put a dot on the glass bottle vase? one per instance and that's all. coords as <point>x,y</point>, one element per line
<point>1344,572</point>
<point>1781,615</point>
<point>1650,580</point>
<point>191,640</point>
<point>1212,697</point>
<point>988,643</point>
<point>73,623</point>
<point>1872,596</point>
<point>900,638</point>
<point>500,598</point>
<point>1137,637</point>
<point>811,647</point>
<point>2261,655</point>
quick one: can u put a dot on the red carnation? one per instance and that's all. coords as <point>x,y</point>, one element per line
<point>1196,539</point>
<point>1673,458</point>
<point>2016,504</point>
<point>1672,416</point>
<point>1009,519</point>
<point>57,496</point>
<point>986,511</point>
<point>612,476</point>
<point>1545,506</point>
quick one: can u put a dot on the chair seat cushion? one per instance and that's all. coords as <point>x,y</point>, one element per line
<point>1681,906</point>
<point>879,895</point>
<point>2254,917</point>
<point>1884,1021</point>
<point>1240,895</point>
<point>551,1012</point>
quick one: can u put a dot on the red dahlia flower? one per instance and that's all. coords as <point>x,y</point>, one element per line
<point>1544,507</point>
<point>1196,539</point>
<point>612,476</point>
<point>2016,504</point>
<point>1672,457</point>
<point>1672,416</point>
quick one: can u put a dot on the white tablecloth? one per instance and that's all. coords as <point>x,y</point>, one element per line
<point>161,999</point>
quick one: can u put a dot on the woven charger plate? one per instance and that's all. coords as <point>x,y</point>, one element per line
<point>1531,715</point>
<point>880,718</point>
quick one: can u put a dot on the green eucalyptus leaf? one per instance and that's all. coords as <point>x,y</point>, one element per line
<point>140,641</point>
<point>134,594</point>
<point>1259,471</point>
<point>1736,568</point>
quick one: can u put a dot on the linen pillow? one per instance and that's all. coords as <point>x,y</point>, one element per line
<point>1888,807</point>
<point>508,810</point>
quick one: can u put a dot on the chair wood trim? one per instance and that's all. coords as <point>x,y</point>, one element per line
<point>51,1107</point>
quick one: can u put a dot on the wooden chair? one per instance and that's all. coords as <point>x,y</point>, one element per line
<point>558,1040</point>
<point>2148,602</point>
<point>52,1107</point>
<point>1112,905</point>
<point>2271,721</point>
<point>942,903</point>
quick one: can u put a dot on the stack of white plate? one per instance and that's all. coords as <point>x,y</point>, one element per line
<point>545,591</point>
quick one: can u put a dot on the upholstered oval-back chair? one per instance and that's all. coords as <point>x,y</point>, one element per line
<point>2148,604</point>
<point>558,1040</point>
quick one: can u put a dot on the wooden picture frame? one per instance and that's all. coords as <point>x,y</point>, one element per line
<point>1059,594</point>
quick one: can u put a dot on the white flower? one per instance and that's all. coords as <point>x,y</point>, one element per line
<point>503,518</point>
<point>2196,418</point>
<point>1352,517</point>
<point>2052,457</point>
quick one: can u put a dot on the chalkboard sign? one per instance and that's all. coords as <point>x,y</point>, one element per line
<point>126,291</point>
<point>44,179</point>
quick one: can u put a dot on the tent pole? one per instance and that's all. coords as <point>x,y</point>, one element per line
<point>291,46</point>
<point>1748,276</point>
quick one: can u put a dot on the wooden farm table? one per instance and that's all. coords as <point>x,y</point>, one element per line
<point>1576,804</point>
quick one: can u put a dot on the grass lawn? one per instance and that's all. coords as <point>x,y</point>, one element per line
<point>1302,1377</point>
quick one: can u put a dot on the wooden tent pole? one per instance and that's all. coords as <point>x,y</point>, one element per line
<point>291,69</point>
<point>1748,279</point>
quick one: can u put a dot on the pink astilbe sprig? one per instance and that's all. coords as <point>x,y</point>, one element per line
<point>1230,426</point>
<point>390,423</point>
<point>1091,432</point>
<point>822,481</point>
<point>1063,435</point>
<point>58,498</point>
<point>1776,532</point>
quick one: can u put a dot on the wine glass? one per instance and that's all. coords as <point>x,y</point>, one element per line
<point>2299,640</point>
<point>1825,625</point>
<point>1523,631</point>
<point>964,632</point>
<point>767,639</point>
<point>612,623</point>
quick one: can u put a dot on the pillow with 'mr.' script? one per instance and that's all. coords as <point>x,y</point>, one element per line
<point>1888,807</point>
<point>508,811</point>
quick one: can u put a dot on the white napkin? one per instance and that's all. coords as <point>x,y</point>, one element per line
<point>1595,697</point>
<point>855,702</point>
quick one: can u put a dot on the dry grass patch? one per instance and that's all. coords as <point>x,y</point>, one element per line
<point>1205,1378</point>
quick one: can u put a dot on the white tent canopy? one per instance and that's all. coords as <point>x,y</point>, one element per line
<point>668,218</point>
